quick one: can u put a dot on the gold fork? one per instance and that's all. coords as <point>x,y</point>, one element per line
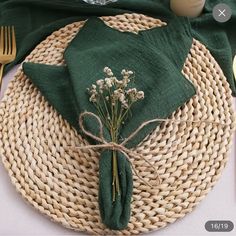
<point>7,47</point>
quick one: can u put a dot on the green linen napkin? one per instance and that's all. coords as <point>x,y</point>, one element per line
<point>36,19</point>
<point>150,54</point>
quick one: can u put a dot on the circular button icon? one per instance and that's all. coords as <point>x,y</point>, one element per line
<point>222,12</point>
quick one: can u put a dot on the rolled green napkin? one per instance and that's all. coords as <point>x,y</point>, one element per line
<point>151,55</point>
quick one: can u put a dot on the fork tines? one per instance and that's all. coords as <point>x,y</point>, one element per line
<point>7,40</point>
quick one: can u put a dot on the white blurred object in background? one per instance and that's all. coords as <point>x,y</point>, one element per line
<point>234,67</point>
<point>189,8</point>
<point>99,2</point>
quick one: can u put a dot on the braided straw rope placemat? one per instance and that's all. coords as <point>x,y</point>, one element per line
<point>64,184</point>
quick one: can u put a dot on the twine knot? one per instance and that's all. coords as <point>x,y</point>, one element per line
<point>128,153</point>
<point>104,144</point>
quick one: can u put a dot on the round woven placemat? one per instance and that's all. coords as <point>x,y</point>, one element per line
<point>64,185</point>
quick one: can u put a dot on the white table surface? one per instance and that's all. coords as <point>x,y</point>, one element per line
<point>19,218</point>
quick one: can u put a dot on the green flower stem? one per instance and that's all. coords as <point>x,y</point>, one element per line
<point>115,181</point>
<point>116,184</point>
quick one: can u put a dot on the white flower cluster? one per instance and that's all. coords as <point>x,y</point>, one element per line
<point>113,90</point>
<point>113,99</point>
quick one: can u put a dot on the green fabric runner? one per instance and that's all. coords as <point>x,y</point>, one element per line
<point>156,56</point>
<point>151,55</point>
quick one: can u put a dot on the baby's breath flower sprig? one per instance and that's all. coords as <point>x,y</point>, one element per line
<point>113,99</point>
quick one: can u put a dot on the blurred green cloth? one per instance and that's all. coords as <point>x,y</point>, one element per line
<point>151,55</point>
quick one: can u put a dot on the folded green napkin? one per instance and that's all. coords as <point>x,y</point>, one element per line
<point>36,19</point>
<point>151,55</point>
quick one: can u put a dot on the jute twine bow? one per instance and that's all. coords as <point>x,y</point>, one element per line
<point>104,144</point>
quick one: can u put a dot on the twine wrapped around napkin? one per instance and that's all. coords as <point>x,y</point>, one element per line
<point>104,144</point>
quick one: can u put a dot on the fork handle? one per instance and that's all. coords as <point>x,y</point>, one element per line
<point>1,74</point>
